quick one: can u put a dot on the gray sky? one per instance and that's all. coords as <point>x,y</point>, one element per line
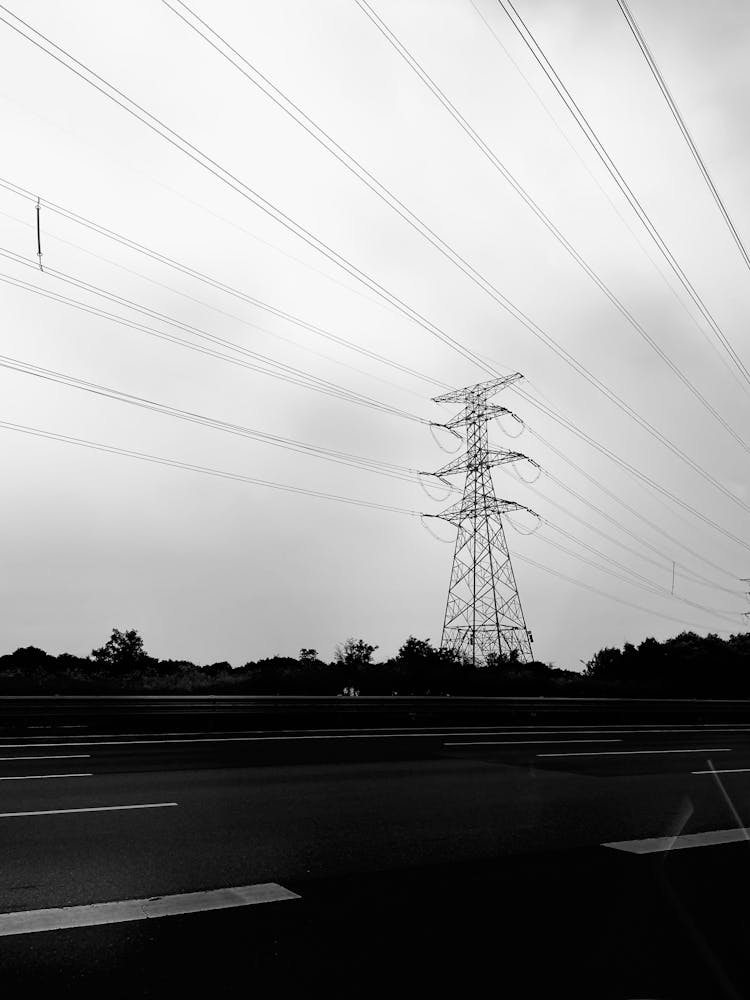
<point>211,569</point>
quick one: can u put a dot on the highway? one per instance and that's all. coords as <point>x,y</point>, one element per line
<point>559,858</point>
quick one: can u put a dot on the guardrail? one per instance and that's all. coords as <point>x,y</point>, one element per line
<point>282,711</point>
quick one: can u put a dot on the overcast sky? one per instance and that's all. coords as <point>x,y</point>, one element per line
<point>211,569</point>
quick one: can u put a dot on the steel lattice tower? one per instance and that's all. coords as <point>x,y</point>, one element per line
<point>483,615</point>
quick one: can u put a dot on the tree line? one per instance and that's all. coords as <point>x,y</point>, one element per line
<point>687,665</point>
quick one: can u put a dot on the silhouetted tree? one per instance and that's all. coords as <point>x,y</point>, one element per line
<point>123,651</point>
<point>308,655</point>
<point>355,653</point>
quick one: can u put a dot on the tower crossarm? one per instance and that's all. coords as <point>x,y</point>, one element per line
<point>488,411</point>
<point>469,463</point>
<point>481,391</point>
<point>463,509</point>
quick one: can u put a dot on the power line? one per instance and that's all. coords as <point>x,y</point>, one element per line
<point>301,447</point>
<point>213,282</point>
<point>644,584</point>
<point>248,193</point>
<point>687,575</point>
<point>276,440</point>
<point>558,418</point>
<point>721,355</point>
<point>110,316</point>
<point>603,593</point>
<point>538,53</point>
<point>260,363</point>
<point>284,487</point>
<point>537,210</point>
<point>191,467</point>
<point>656,72</point>
<point>245,322</point>
<point>75,66</point>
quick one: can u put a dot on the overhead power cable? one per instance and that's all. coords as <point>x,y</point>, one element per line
<point>296,344</point>
<point>288,488</point>
<point>205,470</point>
<point>679,299</point>
<point>528,398</point>
<point>549,71</point>
<point>603,593</point>
<point>644,583</point>
<point>276,440</point>
<point>672,104</point>
<point>388,362</point>
<point>215,283</point>
<point>258,362</point>
<point>301,447</point>
<point>633,471</point>
<point>282,101</point>
<point>537,210</point>
<point>664,563</point>
<point>157,126</point>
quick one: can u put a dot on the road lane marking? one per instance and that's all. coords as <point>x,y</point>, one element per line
<point>58,756</point>
<point>224,739</point>
<point>518,743</point>
<point>729,770</point>
<point>365,734</point>
<point>59,918</point>
<point>654,845</point>
<point>88,809</point>
<point>33,777</point>
<point>608,753</point>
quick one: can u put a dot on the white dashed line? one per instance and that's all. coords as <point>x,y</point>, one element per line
<point>34,777</point>
<point>518,743</point>
<point>59,756</point>
<point>654,845</point>
<point>607,753</point>
<point>34,921</point>
<point>87,809</point>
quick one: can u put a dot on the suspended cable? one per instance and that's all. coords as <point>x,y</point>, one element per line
<point>260,363</point>
<point>205,470</point>
<point>84,73</point>
<point>671,103</point>
<point>157,126</point>
<point>539,212</point>
<point>538,53</point>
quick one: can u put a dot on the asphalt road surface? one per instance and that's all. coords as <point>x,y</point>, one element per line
<point>587,861</point>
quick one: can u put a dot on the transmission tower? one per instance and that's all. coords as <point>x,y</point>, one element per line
<point>746,614</point>
<point>483,615</point>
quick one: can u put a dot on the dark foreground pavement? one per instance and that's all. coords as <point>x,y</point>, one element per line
<point>422,868</point>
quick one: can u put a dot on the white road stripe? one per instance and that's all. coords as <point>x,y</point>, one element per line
<point>654,845</point>
<point>34,921</point>
<point>384,733</point>
<point>33,777</point>
<point>608,753</point>
<point>59,756</point>
<point>518,743</point>
<point>729,770</point>
<point>88,809</point>
<point>223,739</point>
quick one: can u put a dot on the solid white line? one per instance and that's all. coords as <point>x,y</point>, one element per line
<point>392,733</point>
<point>729,770</point>
<point>34,921</point>
<point>32,777</point>
<point>223,739</point>
<point>607,753</point>
<point>655,845</point>
<point>59,756</point>
<point>88,809</point>
<point>518,743</point>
